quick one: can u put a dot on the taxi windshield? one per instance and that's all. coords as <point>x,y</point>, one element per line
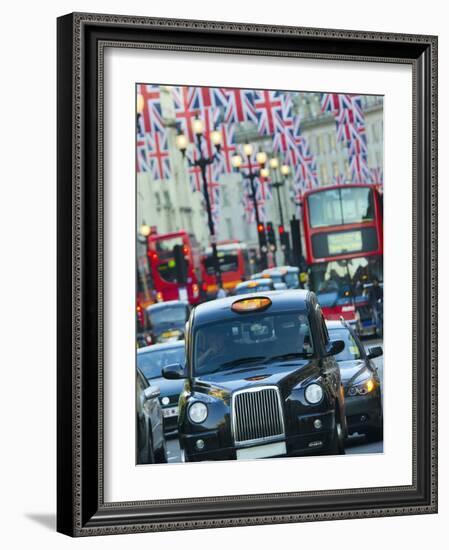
<point>252,338</point>
<point>169,314</point>
<point>351,350</point>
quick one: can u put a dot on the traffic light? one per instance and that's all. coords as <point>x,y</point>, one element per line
<point>140,316</point>
<point>180,264</point>
<point>271,237</point>
<point>262,237</point>
<point>284,239</point>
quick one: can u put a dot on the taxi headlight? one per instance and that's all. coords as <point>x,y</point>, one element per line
<point>314,393</point>
<point>197,412</point>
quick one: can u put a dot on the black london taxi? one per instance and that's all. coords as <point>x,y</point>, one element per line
<point>361,382</point>
<point>261,380</point>
<point>166,321</point>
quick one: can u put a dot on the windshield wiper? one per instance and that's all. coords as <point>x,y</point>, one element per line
<point>287,356</point>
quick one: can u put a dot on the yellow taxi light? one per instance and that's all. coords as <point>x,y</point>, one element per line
<point>251,304</point>
<point>252,284</point>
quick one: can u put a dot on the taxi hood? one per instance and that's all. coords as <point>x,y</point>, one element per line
<point>285,375</point>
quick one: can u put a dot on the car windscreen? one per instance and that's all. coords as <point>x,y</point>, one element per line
<point>351,350</point>
<point>255,338</point>
<point>169,314</point>
<point>152,362</point>
<point>291,278</point>
<point>261,287</point>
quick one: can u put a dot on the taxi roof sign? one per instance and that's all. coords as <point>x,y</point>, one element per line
<point>251,304</point>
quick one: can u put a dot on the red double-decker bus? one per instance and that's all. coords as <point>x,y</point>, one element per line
<point>343,234</point>
<point>174,265</point>
<point>234,266</point>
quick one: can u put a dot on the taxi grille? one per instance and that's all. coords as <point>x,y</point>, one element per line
<point>257,415</point>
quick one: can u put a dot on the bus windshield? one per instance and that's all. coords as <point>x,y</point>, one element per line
<point>341,206</point>
<point>343,281</point>
<point>228,262</point>
<point>166,263</point>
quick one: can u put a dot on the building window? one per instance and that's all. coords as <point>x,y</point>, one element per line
<point>229,228</point>
<point>324,174</point>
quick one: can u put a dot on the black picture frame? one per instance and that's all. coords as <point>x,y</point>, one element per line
<point>81,509</point>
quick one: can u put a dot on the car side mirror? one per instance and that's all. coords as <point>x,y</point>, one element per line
<point>151,392</point>
<point>335,347</point>
<point>374,352</point>
<point>174,372</point>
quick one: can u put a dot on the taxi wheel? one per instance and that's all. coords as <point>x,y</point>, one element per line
<point>149,452</point>
<point>338,445</point>
<point>161,455</point>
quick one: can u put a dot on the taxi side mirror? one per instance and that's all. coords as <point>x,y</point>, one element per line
<point>335,347</point>
<point>174,372</point>
<point>374,352</point>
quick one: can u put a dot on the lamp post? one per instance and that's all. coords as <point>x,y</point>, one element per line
<point>252,174</point>
<point>280,174</point>
<point>202,162</point>
<point>144,232</point>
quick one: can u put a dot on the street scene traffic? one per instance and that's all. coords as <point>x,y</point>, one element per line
<point>259,274</point>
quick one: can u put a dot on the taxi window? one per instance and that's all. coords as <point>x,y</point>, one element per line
<point>252,339</point>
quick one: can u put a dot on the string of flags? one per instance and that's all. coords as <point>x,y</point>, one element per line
<point>271,112</point>
<point>351,130</point>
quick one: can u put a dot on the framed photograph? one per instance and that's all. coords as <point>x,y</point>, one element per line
<point>247,277</point>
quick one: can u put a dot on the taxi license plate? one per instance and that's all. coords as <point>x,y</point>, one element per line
<point>262,451</point>
<point>168,413</point>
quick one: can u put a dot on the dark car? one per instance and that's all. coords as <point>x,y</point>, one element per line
<point>261,380</point>
<point>254,285</point>
<point>166,320</point>
<point>151,447</point>
<point>151,360</point>
<point>363,394</point>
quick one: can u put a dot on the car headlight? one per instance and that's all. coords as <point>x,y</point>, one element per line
<point>314,393</point>
<point>165,400</point>
<point>197,412</point>
<point>362,388</point>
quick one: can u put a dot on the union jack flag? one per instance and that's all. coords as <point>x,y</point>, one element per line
<point>209,97</point>
<point>377,175</point>
<point>357,144</point>
<point>268,108</point>
<point>151,117</point>
<point>284,139</point>
<point>334,103</point>
<point>338,179</point>
<point>142,164</point>
<point>228,147</point>
<point>360,172</point>
<point>248,208</point>
<point>186,108</point>
<point>158,156</point>
<point>239,106</point>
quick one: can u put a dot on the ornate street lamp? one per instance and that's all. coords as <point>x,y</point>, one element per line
<point>202,162</point>
<point>251,175</point>
<point>280,174</point>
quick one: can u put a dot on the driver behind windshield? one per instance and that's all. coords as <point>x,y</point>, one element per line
<point>254,339</point>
